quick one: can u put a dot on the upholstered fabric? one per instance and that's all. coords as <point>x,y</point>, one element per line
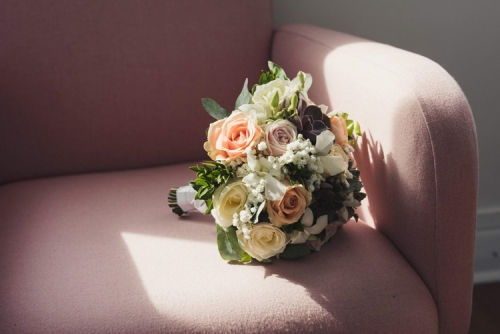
<point>103,253</point>
<point>418,154</point>
<point>104,85</point>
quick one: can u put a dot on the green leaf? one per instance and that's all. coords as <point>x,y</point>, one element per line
<point>350,127</point>
<point>254,88</point>
<point>209,177</point>
<point>229,249</point>
<point>276,71</point>
<point>244,97</point>
<point>354,185</point>
<point>210,206</point>
<point>357,128</point>
<point>322,235</point>
<point>214,109</point>
<point>247,258</point>
<point>297,226</point>
<point>293,251</point>
<point>344,115</point>
<point>264,78</point>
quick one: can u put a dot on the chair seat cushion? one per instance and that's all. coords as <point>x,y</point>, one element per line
<point>103,253</point>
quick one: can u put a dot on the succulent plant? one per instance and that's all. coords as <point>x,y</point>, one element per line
<point>326,202</point>
<point>310,122</point>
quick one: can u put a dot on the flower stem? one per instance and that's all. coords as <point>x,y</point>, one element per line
<point>172,202</point>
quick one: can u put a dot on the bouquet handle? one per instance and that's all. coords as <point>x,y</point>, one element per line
<point>182,200</point>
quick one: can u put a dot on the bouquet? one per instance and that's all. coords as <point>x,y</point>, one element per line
<point>282,177</point>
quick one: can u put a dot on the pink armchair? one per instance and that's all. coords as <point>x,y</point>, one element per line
<point>95,96</point>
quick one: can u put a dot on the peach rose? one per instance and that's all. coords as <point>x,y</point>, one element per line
<point>229,138</point>
<point>339,129</point>
<point>290,207</point>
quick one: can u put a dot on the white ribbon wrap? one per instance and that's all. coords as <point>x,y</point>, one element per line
<point>186,201</point>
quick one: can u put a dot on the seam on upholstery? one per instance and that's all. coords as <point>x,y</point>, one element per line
<point>416,96</point>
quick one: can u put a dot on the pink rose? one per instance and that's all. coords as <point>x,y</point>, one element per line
<point>229,138</point>
<point>278,135</point>
<point>339,129</point>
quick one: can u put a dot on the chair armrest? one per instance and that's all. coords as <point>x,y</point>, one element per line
<point>418,154</point>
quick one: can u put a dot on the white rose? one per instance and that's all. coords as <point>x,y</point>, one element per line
<point>229,199</point>
<point>300,237</point>
<point>261,114</point>
<point>334,163</point>
<point>264,94</point>
<point>337,150</point>
<point>265,241</point>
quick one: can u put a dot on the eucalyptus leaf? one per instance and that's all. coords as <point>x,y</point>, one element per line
<point>244,97</point>
<point>293,251</point>
<point>229,249</point>
<point>214,109</point>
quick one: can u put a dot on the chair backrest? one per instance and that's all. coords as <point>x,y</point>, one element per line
<point>418,155</point>
<point>103,85</point>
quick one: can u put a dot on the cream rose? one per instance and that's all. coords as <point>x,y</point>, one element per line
<point>339,129</point>
<point>229,138</point>
<point>290,207</point>
<point>266,240</point>
<point>229,199</point>
<point>264,94</point>
<point>278,135</point>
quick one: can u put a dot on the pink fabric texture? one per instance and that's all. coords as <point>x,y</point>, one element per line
<point>106,85</point>
<point>98,86</point>
<point>103,253</point>
<point>417,157</point>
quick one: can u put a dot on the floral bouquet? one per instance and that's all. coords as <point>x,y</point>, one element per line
<point>282,176</point>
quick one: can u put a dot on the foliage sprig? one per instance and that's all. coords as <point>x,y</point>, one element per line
<point>209,176</point>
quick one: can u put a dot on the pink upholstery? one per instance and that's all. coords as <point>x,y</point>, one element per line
<point>103,253</point>
<point>97,85</point>
<point>418,155</point>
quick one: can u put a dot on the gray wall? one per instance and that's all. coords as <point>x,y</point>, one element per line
<point>461,35</point>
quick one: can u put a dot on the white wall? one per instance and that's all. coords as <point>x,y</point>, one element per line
<point>461,35</point>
